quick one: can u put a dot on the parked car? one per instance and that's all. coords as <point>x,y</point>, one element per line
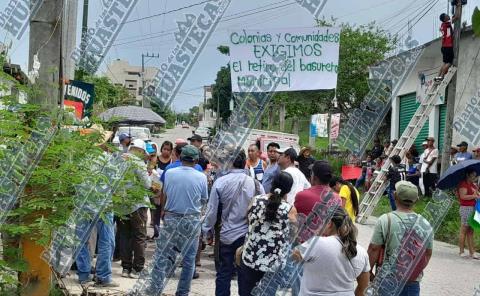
<point>203,132</point>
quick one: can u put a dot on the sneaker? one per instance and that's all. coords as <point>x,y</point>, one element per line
<point>196,275</point>
<point>125,273</point>
<point>134,274</point>
<point>438,79</point>
<point>110,284</point>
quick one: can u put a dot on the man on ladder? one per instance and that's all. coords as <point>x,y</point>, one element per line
<point>447,40</point>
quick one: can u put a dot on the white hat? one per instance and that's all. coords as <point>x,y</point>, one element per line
<point>138,143</point>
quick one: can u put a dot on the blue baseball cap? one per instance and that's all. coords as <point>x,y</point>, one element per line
<point>123,136</point>
<point>150,148</point>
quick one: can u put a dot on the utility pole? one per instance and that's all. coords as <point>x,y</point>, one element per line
<point>451,93</point>
<point>145,103</point>
<point>84,25</point>
<point>45,41</point>
<point>51,40</point>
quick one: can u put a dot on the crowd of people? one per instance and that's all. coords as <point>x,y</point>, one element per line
<point>249,213</point>
<point>422,170</point>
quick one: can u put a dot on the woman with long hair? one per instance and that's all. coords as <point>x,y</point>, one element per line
<point>334,261</point>
<point>165,157</point>
<point>349,194</point>
<point>266,245</point>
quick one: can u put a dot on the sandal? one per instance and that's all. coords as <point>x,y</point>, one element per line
<point>474,257</point>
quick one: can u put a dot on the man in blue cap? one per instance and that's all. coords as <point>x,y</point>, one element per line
<point>186,191</point>
<point>125,140</point>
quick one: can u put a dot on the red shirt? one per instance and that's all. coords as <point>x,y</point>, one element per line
<point>471,188</point>
<point>305,200</point>
<point>447,34</point>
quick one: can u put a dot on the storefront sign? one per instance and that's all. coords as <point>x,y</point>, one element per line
<point>80,96</point>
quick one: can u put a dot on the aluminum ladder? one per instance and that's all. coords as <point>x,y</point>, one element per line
<point>372,197</point>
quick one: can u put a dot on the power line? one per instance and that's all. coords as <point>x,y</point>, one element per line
<point>431,7</point>
<point>227,18</point>
<point>167,12</point>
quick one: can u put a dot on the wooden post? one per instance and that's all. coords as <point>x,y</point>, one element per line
<point>451,93</point>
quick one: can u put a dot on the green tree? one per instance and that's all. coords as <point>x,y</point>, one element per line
<point>476,21</point>
<point>222,89</point>
<point>109,95</point>
<point>360,47</point>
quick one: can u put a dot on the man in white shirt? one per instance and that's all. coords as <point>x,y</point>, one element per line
<point>286,161</point>
<point>429,166</point>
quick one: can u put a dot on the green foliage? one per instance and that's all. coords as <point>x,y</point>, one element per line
<point>224,49</point>
<point>50,194</point>
<point>222,93</point>
<point>360,47</point>
<point>476,21</point>
<point>448,230</point>
<point>108,95</point>
<point>166,114</point>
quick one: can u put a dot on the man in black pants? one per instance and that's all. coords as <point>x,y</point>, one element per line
<point>448,40</point>
<point>429,166</point>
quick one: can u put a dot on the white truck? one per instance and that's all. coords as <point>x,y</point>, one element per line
<point>266,137</point>
<point>136,132</point>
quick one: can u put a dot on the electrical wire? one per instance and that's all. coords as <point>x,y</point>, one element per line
<point>166,12</point>
<point>225,19</point>
<point>435,2</point>
<point>59,18</point>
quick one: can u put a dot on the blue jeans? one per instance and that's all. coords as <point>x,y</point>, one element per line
<point>411,289</point>
<point>226,268</point>
<point>391,197</point>
<point>105,246</point>
<point>179,234</point>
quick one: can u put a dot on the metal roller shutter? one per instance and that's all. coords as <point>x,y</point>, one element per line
<point>408,106</point>
<point>441,129</point>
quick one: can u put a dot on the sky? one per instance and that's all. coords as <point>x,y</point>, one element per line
<point>146,36</point>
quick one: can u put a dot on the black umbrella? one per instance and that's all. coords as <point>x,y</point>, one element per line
<point>456,173</point>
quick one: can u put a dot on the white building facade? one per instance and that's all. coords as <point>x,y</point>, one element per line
<point>405,103</point>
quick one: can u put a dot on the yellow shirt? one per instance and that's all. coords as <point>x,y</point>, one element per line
<point>347,196</point>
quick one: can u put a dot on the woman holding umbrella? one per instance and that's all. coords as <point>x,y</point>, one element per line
<point>467,191</point>
<point>463,177</point>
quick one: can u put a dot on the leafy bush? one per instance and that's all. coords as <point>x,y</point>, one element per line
<point>50,194</point>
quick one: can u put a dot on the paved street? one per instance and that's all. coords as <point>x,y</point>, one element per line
<point>447,274</point>
<point>173,134</point>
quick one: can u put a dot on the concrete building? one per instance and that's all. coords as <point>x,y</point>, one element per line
<point>120,72</point>
<point>405,103</point>
<point>206,117</point>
